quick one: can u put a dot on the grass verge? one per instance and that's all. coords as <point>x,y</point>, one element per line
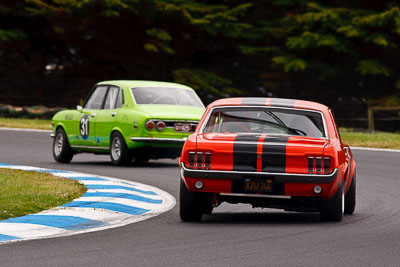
<point>25,123</point>
<point>26,192</point>
<point>376,140</point>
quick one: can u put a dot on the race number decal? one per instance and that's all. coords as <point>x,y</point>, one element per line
<point>84,126</point>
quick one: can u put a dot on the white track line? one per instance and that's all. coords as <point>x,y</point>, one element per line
<point>375,149</point>
<point>25,130</point>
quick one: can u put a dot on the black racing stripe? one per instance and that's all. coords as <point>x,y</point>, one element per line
<point>253,101</point>
<point>274,154</point>
<point>245,153</point>
<point>282,102</point>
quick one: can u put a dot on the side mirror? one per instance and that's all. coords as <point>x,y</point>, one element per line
<point>79,108</point>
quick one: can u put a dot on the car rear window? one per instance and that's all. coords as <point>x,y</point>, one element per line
<point>266,121</point>
<point>165,96</point>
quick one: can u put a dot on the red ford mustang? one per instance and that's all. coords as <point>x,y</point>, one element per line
<point>268,152</point>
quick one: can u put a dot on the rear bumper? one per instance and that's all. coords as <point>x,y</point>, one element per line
<point>277,177</point>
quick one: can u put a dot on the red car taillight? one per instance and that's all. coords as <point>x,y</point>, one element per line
<point>318,165</point>
<point>192,159</point>
<point>327,165</point>
<point>207,160</point>
<point>201,160</point>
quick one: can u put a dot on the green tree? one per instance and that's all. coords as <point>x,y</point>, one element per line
<point>342,48</point>
<point>53,51</point>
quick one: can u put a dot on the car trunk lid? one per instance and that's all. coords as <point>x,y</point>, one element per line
<point>172,112</point>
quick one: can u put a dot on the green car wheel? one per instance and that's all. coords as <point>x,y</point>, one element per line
<point>119,152</point>
<point>62,152</point>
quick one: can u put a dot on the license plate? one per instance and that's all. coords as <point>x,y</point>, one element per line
<point>257,185</point>
<point>183,127</point>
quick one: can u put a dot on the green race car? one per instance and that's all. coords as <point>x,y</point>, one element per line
<point>130,120</point>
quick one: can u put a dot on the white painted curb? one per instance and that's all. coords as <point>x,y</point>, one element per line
<point>149,200</point>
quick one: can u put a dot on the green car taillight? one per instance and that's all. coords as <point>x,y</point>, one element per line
<point>150,125</point>
<point>160,126</point>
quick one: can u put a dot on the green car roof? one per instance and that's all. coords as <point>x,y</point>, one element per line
<point>134,83</point>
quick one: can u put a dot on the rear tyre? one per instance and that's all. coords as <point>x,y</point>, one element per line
<point>350,198</point>
<point>62,152</point>
<point>190,204</point>
<point>332,209</point>
<point>208,203</point>
<point>119,152</point>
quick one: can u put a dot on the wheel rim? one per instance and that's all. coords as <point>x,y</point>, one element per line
<point>116,148</point>
<point>58,144</point>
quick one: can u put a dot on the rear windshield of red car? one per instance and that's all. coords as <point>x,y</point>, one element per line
<point>266,121</point>
<point>166,96</point>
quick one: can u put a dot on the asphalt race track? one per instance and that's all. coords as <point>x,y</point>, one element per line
<point>234,235</point>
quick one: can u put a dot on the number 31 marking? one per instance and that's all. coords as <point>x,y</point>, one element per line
<point>84,126</point>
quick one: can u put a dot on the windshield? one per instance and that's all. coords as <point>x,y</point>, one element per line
<point>266,121</point>
<point>166,96</point>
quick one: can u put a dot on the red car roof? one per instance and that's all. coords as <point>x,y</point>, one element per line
<point>275,102</point>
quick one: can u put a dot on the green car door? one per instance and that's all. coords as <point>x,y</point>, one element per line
<point>84,133</point>
<point>107,117</point>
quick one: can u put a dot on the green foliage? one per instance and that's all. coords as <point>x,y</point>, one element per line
<point>372,67</point>
<point>112,8</point>
<point>327,17</point>
<point>378,39</point>
<point>317,33</point>
<point>346,48</point>
<point>393,101</point>
<point>150,48</point>
<point>290,63</point>
<point>159,34</point>
<point>227,21</point>
<point>378,19</point>
<point>246,49</point>
<point>10,35</point>
<point>313,40</point>
<point>215,19</point>
<point>350,31</point>
<point>398,84</point>
<point>161,39</point>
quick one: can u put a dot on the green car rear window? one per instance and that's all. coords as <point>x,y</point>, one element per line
<point>165,96</point>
